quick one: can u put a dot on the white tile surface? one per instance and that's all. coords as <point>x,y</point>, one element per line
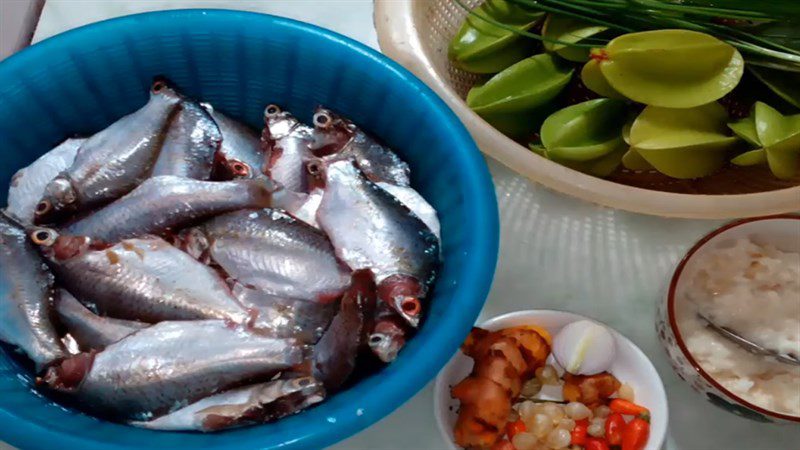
<point>556,252</point>
<point>344,16</point>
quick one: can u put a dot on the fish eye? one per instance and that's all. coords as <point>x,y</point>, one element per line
<point>375,339</point>
<point>44,236</point>
<point>272,110</point>
<point>158,86</point>
<point>43,207</point>
<point>322,120</point>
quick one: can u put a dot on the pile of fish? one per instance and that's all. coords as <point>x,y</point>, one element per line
<point>177,271</point>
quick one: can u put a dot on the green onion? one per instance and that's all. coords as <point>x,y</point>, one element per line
<point>734,21</point>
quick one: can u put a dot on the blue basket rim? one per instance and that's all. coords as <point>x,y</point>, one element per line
<point>475,273</point>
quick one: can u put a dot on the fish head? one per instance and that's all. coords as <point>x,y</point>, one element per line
<point>403,294</point>
<point>68,374</point>
<point>60,200</point>
<point>59,247</point>
<point>277,123</point>
<point>162,88</point>
<point>387,339</point>
<point>338,169</point>
<point>332,132</point>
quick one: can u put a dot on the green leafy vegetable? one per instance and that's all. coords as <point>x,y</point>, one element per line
<point>565,29</point>
<point>785,84</point>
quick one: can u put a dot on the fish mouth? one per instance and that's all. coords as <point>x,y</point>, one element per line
<point>409,308</point>
<point>239,169</point>
<point>386,340</point>
<point>403,294</point>
<point>43,207</point>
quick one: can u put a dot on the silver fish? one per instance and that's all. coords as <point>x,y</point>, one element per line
<point>286,144</point>
<point>112,162</point>
<point>416,203</point>
<point>274,252</point>
<point>169,364</point>
<point>26,292</point>
<point>167,203</point>
<point>337,135</point>
<point>259,403</point>
<point>90,331</point>
<point>370,229</point>
<point>240,155</point>
<point>190,144</point>
<point>335,353</point>
<point>28,184</point>
<point>286,317</point>
<point>143,279</point>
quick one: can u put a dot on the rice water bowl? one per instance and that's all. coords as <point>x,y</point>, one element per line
<point>748,282</point>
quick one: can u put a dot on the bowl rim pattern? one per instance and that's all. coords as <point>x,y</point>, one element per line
<point>673,323</point>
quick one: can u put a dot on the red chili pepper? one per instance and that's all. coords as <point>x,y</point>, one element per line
<point>596,444</point>
<point>635,435</point>
<point>579,432</point>
<point>615,424</point>
<point>503,445</point>
<point>627,408</point>
<point>514,428</point>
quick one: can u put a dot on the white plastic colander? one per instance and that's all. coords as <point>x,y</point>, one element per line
<point>416,33</point>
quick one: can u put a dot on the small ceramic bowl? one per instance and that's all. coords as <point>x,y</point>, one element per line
<point>630,366</point>
<point>779,231</point>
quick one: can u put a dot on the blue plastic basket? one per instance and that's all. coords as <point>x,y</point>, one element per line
<point>81,81</point>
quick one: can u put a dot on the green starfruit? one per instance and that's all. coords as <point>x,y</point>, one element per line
<point>524,86</point>
<point>586,136</point>
<point>632,160</point>
<point>569,30</point>
<point>776,135</point>
<point>593,79</point>
<point>683,143</point>
<point>670,68</point>
<point>480,46</point>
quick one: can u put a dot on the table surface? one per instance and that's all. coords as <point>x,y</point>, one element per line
<point>556,252</point>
